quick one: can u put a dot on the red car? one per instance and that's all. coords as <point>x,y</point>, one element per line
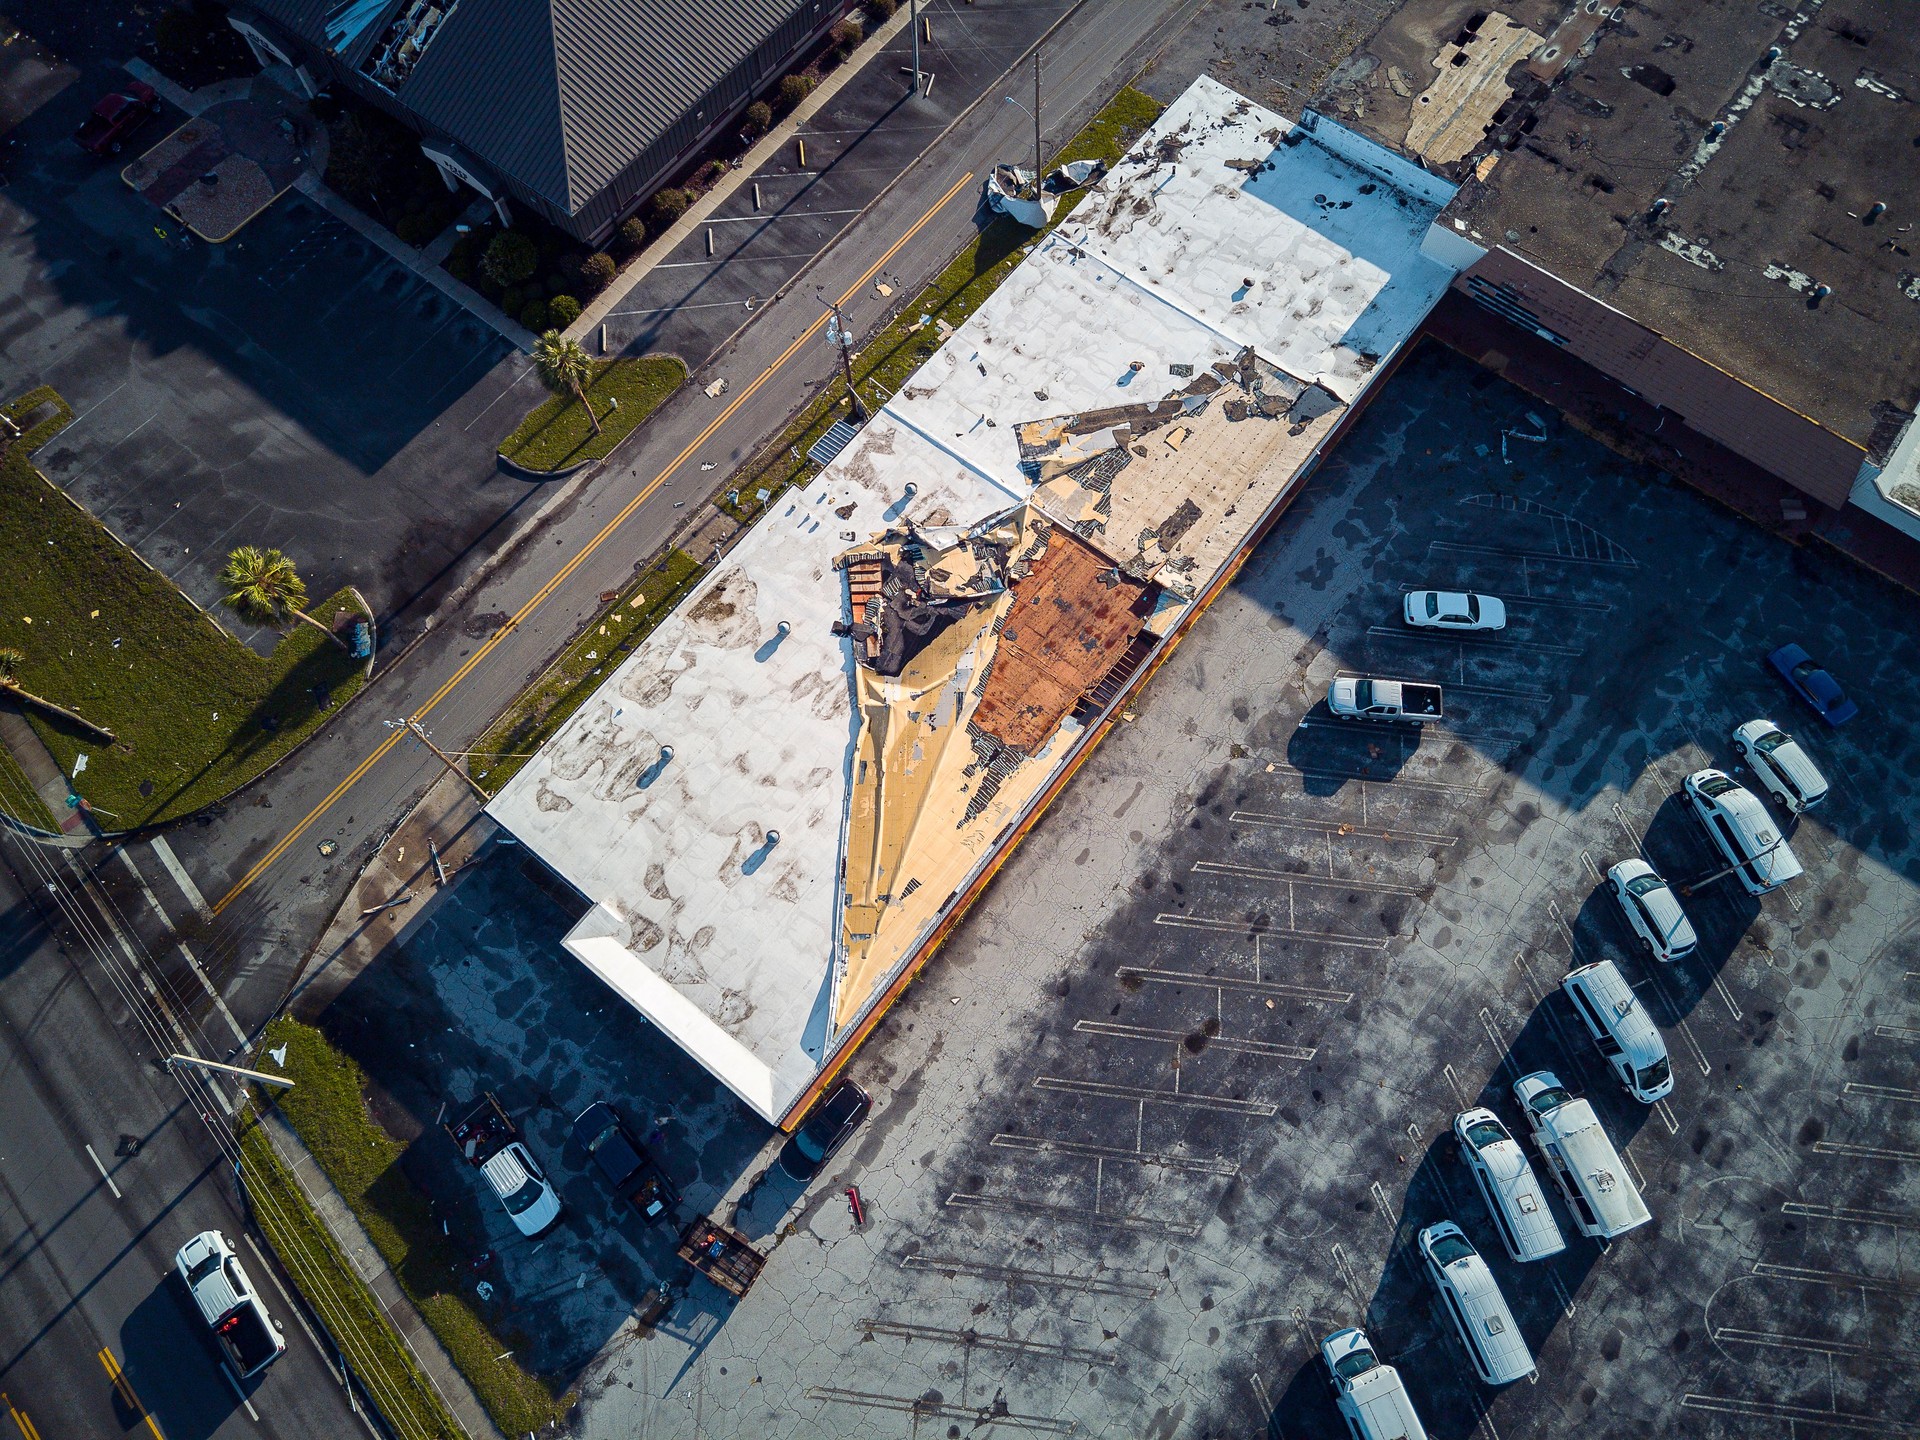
<point>115,117</point>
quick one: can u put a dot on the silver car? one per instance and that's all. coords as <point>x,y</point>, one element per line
<point>1453,610</point>
<point>1652,909</point>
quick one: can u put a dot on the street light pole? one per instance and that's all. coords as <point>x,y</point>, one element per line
<point>420,734</point>
<point>1721,874</point>
<point>256,1075</point>
<point>913,24</point>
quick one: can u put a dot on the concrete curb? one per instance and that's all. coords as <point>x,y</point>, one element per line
<point>763,150</point>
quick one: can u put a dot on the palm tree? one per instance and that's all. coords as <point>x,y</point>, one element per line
<point>264,589</point>
<point>10,662</point>
<point>562,367</point>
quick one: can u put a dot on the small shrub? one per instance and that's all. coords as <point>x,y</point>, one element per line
<point>758,119</point>
<point>846,36</point>
<point>794,89</point>
<point>562,311</point>
<point>667,206</point>
<point>597,271</point>
<point>176,32</point>
<point>633,235</point>
<point>533,315</point>
<point>880,11</point>
<point>511,259</point>
<point>417,229</point>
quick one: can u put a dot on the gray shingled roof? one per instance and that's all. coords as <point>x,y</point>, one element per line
<point>562,95</point>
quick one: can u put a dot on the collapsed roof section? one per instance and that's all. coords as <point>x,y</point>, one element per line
<point>968,588</point>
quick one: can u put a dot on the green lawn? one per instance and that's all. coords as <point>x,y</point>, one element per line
<point>543,707</point>
<point>902,347</point>
<point>352,1316</point>
<point>558,434</point>
<point>328,1110</point>
<point>196,713</point>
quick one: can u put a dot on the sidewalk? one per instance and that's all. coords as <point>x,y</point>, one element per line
<point>1642,431</point>
<point>46,777</point>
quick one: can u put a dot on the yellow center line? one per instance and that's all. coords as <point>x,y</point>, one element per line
<point>125,1387</point>
<point>545,592</point>
<point>27,1431</point>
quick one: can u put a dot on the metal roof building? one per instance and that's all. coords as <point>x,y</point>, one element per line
<point>575,109</point>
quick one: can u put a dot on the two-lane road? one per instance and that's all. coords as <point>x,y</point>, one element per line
<point>106,1168</point>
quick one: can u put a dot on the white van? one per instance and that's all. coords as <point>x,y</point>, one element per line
<point>1507,1183</point>
<point>1629,1041</point>
<point>1779,764</point>
<point>1591,1176</point>
<point>1368,1393</point>
<point>1473,1301</point>
<point>1742,831</point>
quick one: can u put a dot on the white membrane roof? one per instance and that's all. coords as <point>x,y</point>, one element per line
<point>726,939</point>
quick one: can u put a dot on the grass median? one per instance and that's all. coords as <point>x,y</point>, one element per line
<point>883,365</point>
<point>195,713</point>
<point>558,435</point>
<point>327,1109</point>
<point>544,706</point>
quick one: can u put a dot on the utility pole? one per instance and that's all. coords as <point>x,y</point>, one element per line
<point>1692,885</point>
<point>257,1075</point>
<point>837,332</point>
<point>420,734</point>
<point>1037,177</point>
<point>913,24</point>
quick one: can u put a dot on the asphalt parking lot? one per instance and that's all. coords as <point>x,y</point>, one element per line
<point>1174,1102</point>
<point>292,387</point>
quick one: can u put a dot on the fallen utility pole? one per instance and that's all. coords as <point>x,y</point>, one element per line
<point>245,1074</point>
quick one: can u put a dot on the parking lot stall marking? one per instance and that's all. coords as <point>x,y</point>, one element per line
<point>1339,828</point>
<point>1813,1344</point>
<point>1665,1112</point>
<point>1792,1415</point>
<point>1837,1278</point>
<point>1039,1145</point>
<point>1546,602</point>
<point>579,558</point>
<point>1726,996</point>
<point>1386,1206</point>
<point>1529,558</point>
<point>1349,1279</point>
<point>1184,1099</point>
<point>1398,782</point>
<point>1559,1288</point>
<point>976,1340</point>
<point>1865,1152</point>
<point>1119,1031</point>
<point>1631,835</point>
<point>1013,1205</point>
<point>1896,1032</point>
<point>1235,982</point>
<point>1793,900</point>
<point>1260,1396</point>
<point>1500,1047</point>
<point>1639,1175</point>
<point>1453,1083</point>
<point>1290,878</point>
<point>1011,1275</point>
<point>1592,869</point>
<point>1659,984</point>
<point>1253,928</point>
<point>1881,1092</point>
<point>919,1407</point>
<point>1473,642</point>
<point>1851,1214</point>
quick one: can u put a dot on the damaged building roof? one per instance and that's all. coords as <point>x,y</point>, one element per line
<point>1712,171</point>
<point>969,584</point>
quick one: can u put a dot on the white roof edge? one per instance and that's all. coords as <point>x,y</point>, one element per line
<point>594,943</point>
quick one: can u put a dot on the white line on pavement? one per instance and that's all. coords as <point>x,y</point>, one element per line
<point>193,961</point>
<point>179,873</point>
<point>103,1172</point>
<point>226,1370</point>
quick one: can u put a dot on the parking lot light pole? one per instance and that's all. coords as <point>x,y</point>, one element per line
<point>1721,874</point>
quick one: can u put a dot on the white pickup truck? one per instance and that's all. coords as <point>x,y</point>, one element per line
<point>1362,697</point>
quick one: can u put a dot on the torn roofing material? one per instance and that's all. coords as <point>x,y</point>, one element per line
<point>967,586</point>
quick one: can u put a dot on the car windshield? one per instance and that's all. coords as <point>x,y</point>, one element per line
<point>1645,884</point>
<point>525,1198</point>
<point>203,1267</point>
<point>1433,603</point>
<point>1449,1248</point>
<point>1551,1098</point>
<point>1354,1362</point>
<point>1483,1133</point>
<point>1772,741</point>
<point>1473,608</point>
<point>1717,784</point>
<point>1653,1076</point>
<point>1805,669</point>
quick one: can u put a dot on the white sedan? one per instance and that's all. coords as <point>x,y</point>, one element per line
<point>1653,910</point>
<point>1454,610</point>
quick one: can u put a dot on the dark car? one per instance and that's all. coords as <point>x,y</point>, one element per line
<point>634,1173</point>
<point>1813,684</point>
<point>116,116</point>
<point>825,1130</point>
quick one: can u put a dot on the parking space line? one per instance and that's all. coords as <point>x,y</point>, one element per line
<point>1473,642</point>
<point>980,1340</point>
<point>1864,1152</point>
<point>1039,1145</point>
<point>103,1174</point>
<point>1501,692</point>
<point>1748,1409</point>
<point>1336,827</point>
<point>1852,1214</point>
<point>1845,1281</point>
<point>1386,1206</point>
<point>1896,1032</point>
<point>1500,1046</point>
<point>1250,927</point>
<point>1566,1301</point>
<point>1531,557</point>
<point>1726,997</point>
<point>1187,1100</point>
<point>1547,602</point>
<point>1453,1083</point>
<point>1347,1277</point>
<point>1296,877</point>
<point>1397,782</point>
<point>1118,1031</point>
<point>1235,982</point>
<point>1013,1205</point>
<point>1015,1275</point>
<point>1812,1344</point>
<point>1659,984</point>
<point>920,1407</point>
<point>770,217</point>
<point>1881,1092</point>
<point>1665,1112</point>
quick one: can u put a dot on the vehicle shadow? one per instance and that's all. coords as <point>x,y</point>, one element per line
<point>1331,753</point>
<point>170,1367</point>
